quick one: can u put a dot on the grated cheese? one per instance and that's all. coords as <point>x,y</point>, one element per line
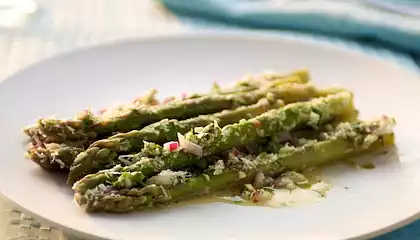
<point>219,167</point>
<point>168,178</point>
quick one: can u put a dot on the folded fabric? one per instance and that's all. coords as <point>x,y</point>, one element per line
<point>360,20</point>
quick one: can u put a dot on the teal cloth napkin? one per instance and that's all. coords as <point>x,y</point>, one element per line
<point>369,22</point>
<point>387,29</point>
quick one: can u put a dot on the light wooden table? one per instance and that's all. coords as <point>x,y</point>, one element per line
<point>60,26</point>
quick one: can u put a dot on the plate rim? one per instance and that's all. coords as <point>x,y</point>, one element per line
<point>198,36</point>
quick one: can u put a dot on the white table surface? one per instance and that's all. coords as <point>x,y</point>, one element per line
<point>59,26</point>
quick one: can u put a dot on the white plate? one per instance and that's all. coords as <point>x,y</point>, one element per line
<point>375,201</point>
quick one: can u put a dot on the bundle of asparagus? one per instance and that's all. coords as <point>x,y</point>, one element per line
<point>87,128</point>
<point>241,137</point>
<point>124,189</point>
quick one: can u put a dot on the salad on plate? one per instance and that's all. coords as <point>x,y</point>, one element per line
<point>243,141</point>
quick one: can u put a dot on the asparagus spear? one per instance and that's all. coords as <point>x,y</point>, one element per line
<point>167,129</point>
<point>88,126</point>
<point>314,113</point>
<point>347,140</point>
<point>157,132</point>
<point>145,163</point>
<point>55,157</point>
<point>265,80</point>
<point>212,139</point>
<point>52,156</point>
<point>36,136</point>
<point>105,151</point>
<point>272,80</point>
<point>61,156</point>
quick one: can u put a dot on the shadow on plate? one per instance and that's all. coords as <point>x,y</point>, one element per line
<point>56,178</point>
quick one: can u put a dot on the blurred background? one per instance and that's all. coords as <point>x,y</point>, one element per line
<point>32,30</point>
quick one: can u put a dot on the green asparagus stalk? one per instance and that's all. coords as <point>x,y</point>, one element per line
<point>36,136</point>
<point>52,156</point>
<point>301,76</point>
<point>348,139</point>
<point>264,80</point>
<point>313,113</point>
<point>145,164</point>
<point>55,157</point>
<point>88,126</point>
<point>250,84</point>
<point>167,129</point>
<point>155,132</point>
<point>105,151</point>
<point>61,156</point>
<point>212,139</point>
